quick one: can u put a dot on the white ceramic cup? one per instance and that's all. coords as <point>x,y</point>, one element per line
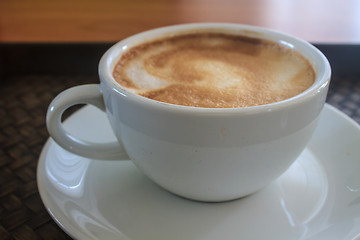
<point>204,154</point>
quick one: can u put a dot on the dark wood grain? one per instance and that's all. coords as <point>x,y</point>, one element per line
<point>322,21</point>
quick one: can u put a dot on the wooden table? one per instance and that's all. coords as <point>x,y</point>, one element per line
<point>320,21</point>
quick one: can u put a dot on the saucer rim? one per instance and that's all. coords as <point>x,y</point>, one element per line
<point>77,233</point>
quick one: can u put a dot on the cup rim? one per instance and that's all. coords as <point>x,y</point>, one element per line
<point>315,57</point>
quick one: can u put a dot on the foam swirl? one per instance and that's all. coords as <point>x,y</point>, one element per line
<point>214,71</point>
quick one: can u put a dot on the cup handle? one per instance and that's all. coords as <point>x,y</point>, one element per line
<point>84,94</point>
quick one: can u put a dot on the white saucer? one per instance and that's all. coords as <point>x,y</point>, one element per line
<point>317,198</point>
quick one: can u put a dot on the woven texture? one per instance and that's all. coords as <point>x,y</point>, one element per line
<point>23,105</point>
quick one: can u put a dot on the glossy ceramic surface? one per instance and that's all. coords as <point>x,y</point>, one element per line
<point>317,198</point>
<point>206,154</point>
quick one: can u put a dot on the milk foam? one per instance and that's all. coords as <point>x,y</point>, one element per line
<point>214,70</point>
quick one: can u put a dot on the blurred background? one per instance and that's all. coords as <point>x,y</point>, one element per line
<point>318,21</point>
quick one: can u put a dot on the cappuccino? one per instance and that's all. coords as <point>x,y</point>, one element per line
<point>218,141</point>
<point>214,70</point>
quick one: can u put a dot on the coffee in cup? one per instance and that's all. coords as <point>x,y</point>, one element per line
<point>213,70</point>
<point>208,111</point>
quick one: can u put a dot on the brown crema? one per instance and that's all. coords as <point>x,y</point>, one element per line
<point>214,70</point>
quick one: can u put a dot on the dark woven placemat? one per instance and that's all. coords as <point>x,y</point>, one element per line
<point>344,94</point>
<point>23,105</point>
